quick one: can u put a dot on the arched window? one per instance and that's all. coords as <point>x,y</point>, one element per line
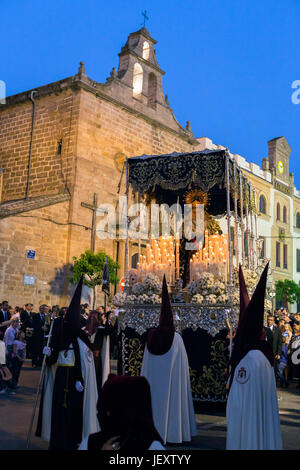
<point>298,220</point>
<point>137,80</point>
<point>152,89</point>
<point>134,260</point>
<point>262,204</point>
<point>278,211</point>
<point>284,214</point>
<point>146,50</point>
<point>262,253</point>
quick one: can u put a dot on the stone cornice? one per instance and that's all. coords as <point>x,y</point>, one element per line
<point>97,89</point>
<point>23,97</point>
<point>99,93</point>
<point>11,208</point>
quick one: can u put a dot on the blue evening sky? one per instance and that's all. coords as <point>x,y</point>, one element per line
<point>229,64</point>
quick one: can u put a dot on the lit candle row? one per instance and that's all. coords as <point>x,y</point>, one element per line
<point>160,259</point>
<point>212,258</point>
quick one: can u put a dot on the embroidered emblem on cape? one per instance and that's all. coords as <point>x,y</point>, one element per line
<point>89,355</point>
<point>242,375</point>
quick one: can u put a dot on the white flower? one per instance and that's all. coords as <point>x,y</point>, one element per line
<point>198,299</point>
<point>210,299</point>
<point>119,298</point>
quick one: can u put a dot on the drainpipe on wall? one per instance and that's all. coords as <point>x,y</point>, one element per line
<point>30,145</point>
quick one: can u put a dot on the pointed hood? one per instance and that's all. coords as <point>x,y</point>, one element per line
<point>250,332</point>
<point>160,339</point>
<point>244,297</point>
<point>71,321</point>
<point>72,315</point>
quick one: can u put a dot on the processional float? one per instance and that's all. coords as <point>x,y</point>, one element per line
<point>203,280</point>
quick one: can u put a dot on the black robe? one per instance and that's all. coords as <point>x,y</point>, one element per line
<point>67,402</point>
<point>97,346</point>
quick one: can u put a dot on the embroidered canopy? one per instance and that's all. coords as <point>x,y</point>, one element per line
<point>177,170</point>
<point>167,177</point>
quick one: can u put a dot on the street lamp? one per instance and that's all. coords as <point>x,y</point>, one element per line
<point>272,294</point>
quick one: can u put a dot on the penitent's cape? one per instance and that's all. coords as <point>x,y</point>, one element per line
<point>168,375</point>
<point>252,409</point>
<point>90,421</point>
<point>66,334</point>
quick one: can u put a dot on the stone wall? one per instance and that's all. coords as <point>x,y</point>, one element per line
<point>45,231</point>
<point>53,143</point>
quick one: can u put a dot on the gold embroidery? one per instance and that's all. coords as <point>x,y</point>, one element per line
<point>211,384</point>
<point>135,356</point>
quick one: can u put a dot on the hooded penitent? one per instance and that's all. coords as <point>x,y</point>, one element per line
<point>125,410</point>
<point>160,339</point>
<point>250,332</point>
<point>70,325</point>
<point>92,323</point>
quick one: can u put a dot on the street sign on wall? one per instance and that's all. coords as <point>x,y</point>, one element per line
<point>31,254</point>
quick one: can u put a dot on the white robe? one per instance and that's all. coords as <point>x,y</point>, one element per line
<point>252,408</point>
<point>172,403</point>
<point>105,358</point>
<point>90,421</point>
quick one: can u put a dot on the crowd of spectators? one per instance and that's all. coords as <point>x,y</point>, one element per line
<point>24,333</point>
<point>283,333</point>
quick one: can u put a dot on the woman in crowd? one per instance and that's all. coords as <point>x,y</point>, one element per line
<point>282,368</point>
<point>294,352</point>
<point>125,417</point>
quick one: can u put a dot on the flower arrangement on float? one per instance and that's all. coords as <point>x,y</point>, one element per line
<point>145,291</point>
<point>207,290</point>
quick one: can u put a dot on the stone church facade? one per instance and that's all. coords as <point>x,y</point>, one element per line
<point>63,144</point>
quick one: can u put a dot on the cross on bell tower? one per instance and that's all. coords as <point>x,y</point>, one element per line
<point>144,14</point>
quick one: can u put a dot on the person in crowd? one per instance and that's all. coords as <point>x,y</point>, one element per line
<point>287,316</point>
<point>165,366</point>
<point>5,374</point>
<point>252,406</point>
<point>125,417</point>
<point>4,316</point>
<point>83,315</point>
<point>26,317</point>
<point>18,357</point>
<point>281,325</point>
<point>39,330</point>
<point>12,312</point>
<point>287,331</point>
<point>9,338</point>
<point>62,311</point>
<point>294,352</point>
<point>274,338</point>
<point>295,318</point>
<point>26,325</point>
<point>282,369</point>
<point>68,408</point>
<point>98,331</point>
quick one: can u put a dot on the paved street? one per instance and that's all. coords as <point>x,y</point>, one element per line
<point>16,411</point>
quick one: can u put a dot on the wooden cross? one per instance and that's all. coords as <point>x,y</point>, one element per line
<point>144,13</point>
<point>94,209</point>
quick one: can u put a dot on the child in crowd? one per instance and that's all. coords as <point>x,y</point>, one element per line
<point>19,355</point>
<point>5,374</point>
